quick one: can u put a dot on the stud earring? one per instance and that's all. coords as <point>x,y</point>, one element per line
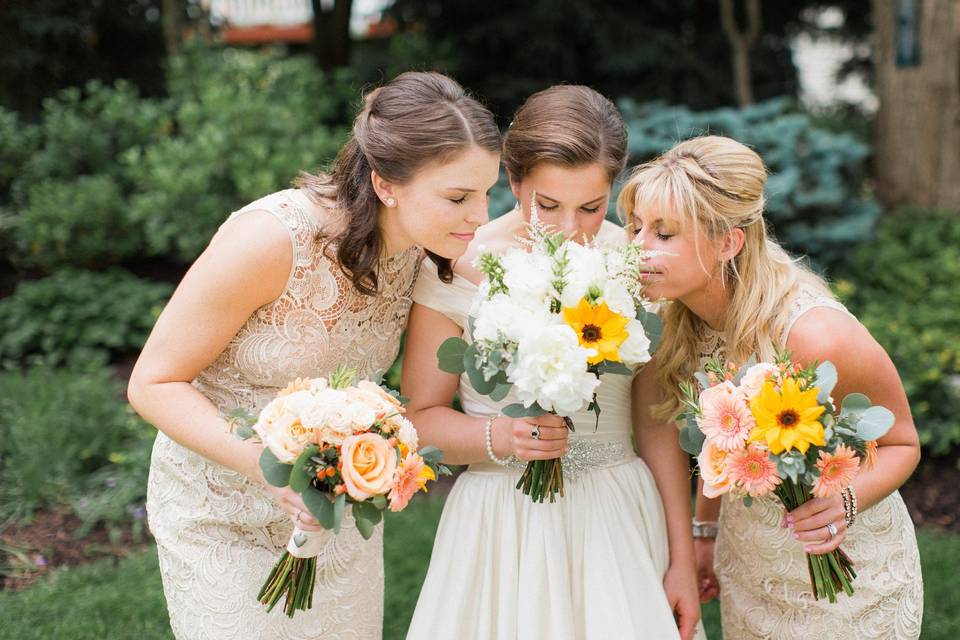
<point>391,202</point>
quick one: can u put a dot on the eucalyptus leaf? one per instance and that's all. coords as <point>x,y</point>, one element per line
<point>874,423</point>
<point>826,381</point>
<point>475,373</point>
<point>276,473</point>
<point>450,355</point>
<point>517,410</point>
<point>500,391</point>
<point>691,437</point>
<point>338,507</point>
<point>320,506</point>
<point>702,379</point>
<point>653,326</point>
<point>300,475</point>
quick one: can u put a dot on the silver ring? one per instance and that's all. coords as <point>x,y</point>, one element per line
<point>832,530</point>
<point>535,434</point>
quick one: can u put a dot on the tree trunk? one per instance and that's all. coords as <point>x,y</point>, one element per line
<point>170,14</point>
<point>331,34</point>
<point>740,43</point>
<point>917,128</point>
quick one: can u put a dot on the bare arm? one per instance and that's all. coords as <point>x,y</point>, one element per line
<point>459,436</point>
<point>862,367</point>
<point>658,444</point>
<point>245,266</point>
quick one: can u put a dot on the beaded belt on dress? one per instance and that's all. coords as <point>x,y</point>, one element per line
<point>583,455</point>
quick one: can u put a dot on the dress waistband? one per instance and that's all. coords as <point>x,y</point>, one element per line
<point>583,455</point>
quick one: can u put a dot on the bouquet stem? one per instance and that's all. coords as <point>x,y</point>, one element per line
<point>830,573</point>
<point>542,479</point>
<point>291,577</point>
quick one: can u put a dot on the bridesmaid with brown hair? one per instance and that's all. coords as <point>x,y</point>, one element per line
<point>293,285</point>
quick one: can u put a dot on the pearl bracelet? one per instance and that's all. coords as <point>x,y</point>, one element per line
<point>849,505</point>
<point>489,442</point>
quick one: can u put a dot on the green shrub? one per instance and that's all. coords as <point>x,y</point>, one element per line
<point>816,200</point>
<point>68,195</point>
<point>904,287</point>
<point>245,124</point>
<point>78,222</point>
<point>57,427</point>
<point>74,315</point>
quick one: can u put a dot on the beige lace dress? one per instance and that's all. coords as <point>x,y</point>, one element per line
<point>764,583</point>
<point>217,533</point>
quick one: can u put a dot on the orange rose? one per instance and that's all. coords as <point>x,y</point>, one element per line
<point>368,465</point>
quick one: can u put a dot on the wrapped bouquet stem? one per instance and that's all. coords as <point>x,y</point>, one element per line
<point>336,443</point>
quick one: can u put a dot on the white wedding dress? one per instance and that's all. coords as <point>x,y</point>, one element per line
<point>589,566</point>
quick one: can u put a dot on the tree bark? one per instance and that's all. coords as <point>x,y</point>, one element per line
<point>917,128</point>
<point>740,43</point>
<point>170,17</point>
<point>331,34</point>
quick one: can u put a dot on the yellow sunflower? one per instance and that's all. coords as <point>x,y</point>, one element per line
<point>787,420</point>
<point>597,328</point>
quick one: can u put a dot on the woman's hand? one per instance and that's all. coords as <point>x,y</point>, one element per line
<point>809,524</point>
<point>536,438</point>
<point>708,586</point>
<point>292,503</point>
<point>680,586</point>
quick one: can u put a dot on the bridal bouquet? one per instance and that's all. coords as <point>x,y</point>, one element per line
<point>774,429</point>
<point>550,318</point>
<point>335,443</point>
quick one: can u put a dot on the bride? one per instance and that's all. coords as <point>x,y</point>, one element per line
<point>614,557</point>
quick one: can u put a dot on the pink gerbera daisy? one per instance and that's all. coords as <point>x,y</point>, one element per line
<point>412,476</point>
<point>837,470</point>
<point>726,420</point>
<point>752,470</point>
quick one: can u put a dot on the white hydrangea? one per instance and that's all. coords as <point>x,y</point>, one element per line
<point>551,369</point>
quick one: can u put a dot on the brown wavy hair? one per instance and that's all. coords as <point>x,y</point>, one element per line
<point>415,119</point>
<point>569,125</point>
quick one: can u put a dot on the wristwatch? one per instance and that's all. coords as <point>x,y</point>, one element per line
<point>705,529</point>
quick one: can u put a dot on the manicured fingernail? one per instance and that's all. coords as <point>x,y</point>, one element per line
<point>806,549</point>
<point>796,536</point>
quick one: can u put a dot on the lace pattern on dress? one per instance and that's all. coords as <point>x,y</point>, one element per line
<point>764,581</point>
<point>219,534</point>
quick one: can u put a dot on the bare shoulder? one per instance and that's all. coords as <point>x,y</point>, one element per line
<point>824,333</point>
<point>250,256</point>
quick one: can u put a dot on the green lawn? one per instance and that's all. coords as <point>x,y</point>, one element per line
<point>113,600</point>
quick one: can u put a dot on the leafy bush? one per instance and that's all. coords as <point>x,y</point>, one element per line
<point>815,196</point>
<point>68,194</point>
<point>74,315</point>
<point>56,428</point>
<point>245,124</point>
<point>904,287</point>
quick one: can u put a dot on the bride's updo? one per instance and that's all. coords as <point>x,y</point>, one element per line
<point>416,119</point>
<point>715,184</point>
<point>568,125</point>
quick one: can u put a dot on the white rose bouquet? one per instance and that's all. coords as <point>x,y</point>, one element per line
<point>335,443</point>
<point>550,318</point>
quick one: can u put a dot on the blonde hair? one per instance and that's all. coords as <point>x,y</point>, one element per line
<point>716,184</point>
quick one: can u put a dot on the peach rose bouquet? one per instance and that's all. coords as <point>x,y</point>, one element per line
<point>336,443</point>
<point>774,430</point>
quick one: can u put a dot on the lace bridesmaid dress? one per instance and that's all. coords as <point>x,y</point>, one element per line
<point>589,566</point>
<point>764,581</point>
<point>218,534</point>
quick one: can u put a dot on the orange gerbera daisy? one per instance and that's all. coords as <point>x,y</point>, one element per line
<point>837,470</point>
<point>752,471</point>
